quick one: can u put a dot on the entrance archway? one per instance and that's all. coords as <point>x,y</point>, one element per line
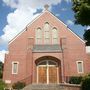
<point>48,71</point>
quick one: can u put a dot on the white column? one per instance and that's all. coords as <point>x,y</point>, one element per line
<point>47,73</point>
<point>37,75</point>
<point>57,76</point>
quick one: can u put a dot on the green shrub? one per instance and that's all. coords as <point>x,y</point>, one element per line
<point>86,83</point>
<point>1,75</point>
<point>75,80</point>
<point>18,85</point>
<point>2,85</point>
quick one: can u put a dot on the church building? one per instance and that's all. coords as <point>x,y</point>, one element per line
<point>46,51</point>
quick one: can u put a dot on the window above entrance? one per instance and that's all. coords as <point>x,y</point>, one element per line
<point>47,63</point>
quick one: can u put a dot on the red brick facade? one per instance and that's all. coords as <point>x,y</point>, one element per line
<point>22,50</point>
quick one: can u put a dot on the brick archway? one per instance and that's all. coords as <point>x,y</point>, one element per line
<point>48,70</point>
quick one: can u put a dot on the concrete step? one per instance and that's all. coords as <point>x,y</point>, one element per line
<point>44,87</point>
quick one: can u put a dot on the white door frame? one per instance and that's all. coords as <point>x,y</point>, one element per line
<point>47,65</point>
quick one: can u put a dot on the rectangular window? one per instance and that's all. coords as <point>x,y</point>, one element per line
<point>15,67</point>
<point>80,66</point>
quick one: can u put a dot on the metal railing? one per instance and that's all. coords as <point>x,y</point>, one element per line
<point>47,48</point>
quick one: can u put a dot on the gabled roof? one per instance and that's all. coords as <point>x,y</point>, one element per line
<point>38,18</point>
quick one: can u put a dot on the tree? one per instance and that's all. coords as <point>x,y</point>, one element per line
<point>81,9</point>
<point>1,69</point>
<point>87,37</point>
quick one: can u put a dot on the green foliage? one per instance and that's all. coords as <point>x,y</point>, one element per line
<point>18,85</point>
<point>81,9</point>
<point>75,80</point>
<point>87,37</point>
<point>86,83</point>
<point>2,85</point>
<point>1,69</point>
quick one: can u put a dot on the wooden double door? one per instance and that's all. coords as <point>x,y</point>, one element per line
<point>48,73</point>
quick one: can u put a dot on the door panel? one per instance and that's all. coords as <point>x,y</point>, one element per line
<point>42,74</point>
<point>52,74</point>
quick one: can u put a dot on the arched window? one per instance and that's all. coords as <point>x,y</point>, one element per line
<point>54,36</point>
<point>46,33</point>
<point>38,36</point>
<point>47,63</point>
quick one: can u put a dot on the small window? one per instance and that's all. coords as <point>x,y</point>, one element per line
<point>15,67</point>
<point>80,66</point>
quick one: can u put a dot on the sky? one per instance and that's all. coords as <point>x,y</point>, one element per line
<point>16,14</point>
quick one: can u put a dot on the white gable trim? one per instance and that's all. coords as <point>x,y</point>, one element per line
<point>39,17</point>
<point>58,19</point>
<point>76,35</point>
<point>17,36</point>
<point>68,28</point>
<point>25,28</point>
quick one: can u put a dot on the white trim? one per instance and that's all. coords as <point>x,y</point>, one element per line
<point>17,36</point>
<point>57,75</point>
<point>13,67</point>
<point>47,65</point>
<point>57,18</point>
<point>67,27</point>
<point>47,72</point>
<point>37,75</point>
<point>7,81</point>
<point>38,18</point>
<point>30,37</point>
<point>76,35</point>
<point>82,66</point>
<point>26,27</point>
